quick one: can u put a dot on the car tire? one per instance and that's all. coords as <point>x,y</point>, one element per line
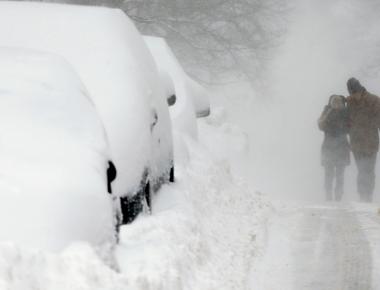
<point>131,207</point>
<point>148,197</point>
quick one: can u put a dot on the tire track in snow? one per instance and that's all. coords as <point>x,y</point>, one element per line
<point>316,248</point>
<point>331,251</point>
<point>369,218</point>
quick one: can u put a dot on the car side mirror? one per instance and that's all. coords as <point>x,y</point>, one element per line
<point>172,99</point>
<point>111,175</point>
<point>168,86</point>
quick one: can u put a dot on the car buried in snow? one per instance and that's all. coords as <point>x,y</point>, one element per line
<point>54,155</point>
<point>192,99</point>
<point>112,60</point>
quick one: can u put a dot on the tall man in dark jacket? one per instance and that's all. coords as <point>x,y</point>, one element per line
<point>364,114</point>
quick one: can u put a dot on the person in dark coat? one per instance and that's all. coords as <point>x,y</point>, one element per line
<point>334,122</point>
<point>364,112</point>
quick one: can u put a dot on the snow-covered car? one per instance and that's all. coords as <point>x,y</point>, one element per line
<point>192,100</point>
<point>115,65</point>
<point>54,155</point>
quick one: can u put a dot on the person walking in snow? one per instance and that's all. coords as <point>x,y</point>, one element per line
<point>335,155</point>
<point>364,114</point>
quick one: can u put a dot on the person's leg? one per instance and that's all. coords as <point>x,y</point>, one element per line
<point>329,177</point>
<point>361,177</point>
<point>366,175</point>
<point>369,176</point>
<point>339,182</point>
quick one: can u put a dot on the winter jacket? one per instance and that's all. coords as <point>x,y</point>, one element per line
<point>335,147</point>
<point>364,114</point>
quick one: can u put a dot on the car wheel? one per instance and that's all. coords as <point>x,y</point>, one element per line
<point>131,206</point>
<point>148,197</point>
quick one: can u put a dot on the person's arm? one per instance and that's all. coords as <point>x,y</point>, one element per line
<point>373,103</point>
<point>376,106</point>
<point>323,120</point>
<point>346,122</point>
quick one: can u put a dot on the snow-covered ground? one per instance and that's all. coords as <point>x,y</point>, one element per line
<point>328,246</point>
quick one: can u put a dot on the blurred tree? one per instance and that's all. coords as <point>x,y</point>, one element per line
<point>221,37</point>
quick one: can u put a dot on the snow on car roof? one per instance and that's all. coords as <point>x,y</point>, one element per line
<point>112,60</point>
<point>38,70</point>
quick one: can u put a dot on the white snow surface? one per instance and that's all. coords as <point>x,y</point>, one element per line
<point>54,154</point>
<point>111,58</point>
<point>320,246</point>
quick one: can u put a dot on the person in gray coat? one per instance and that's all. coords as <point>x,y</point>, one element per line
<point>334,122</point>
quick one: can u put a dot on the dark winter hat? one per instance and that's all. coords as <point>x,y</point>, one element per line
<point>354,86</point>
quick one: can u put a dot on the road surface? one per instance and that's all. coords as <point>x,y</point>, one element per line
<point>329,247</point>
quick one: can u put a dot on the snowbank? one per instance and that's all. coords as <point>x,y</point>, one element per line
<point>204,229</point>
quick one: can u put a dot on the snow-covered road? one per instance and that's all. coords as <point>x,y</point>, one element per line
<point>325,247</point>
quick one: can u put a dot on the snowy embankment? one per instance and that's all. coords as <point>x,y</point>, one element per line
<point>204,232</point>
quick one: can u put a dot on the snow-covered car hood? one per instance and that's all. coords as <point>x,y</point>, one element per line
<point>53,154</point>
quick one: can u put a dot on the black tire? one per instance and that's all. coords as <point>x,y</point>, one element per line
<point>148,196</point>
<point>132,206</point>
